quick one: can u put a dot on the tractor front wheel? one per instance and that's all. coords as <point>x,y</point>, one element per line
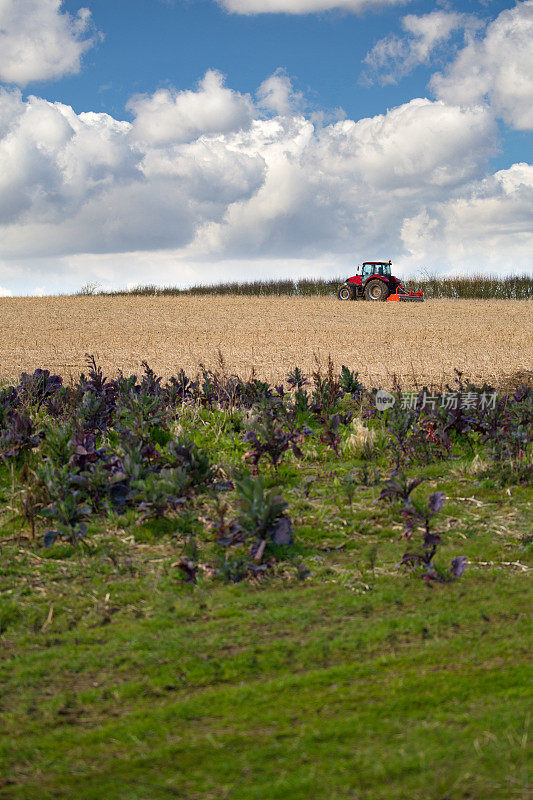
<point>345,292</point>
<point>376,290</point>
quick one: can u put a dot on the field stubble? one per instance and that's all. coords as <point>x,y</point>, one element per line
<point>419,344</point>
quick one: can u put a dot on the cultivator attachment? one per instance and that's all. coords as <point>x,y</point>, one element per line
<point>408,297</point>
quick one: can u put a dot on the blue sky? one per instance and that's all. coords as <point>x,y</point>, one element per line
<point>152,43</point>
<point>155,44</point>
<point>177,142</point>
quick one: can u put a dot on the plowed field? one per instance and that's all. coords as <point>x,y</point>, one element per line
<point>419,343</point>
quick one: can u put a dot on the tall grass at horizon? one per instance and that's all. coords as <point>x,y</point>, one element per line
<point>487,287</point>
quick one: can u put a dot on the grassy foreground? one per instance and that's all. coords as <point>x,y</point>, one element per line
<point>393,691</point>
<point>138,687</point>
<point>313,670</point>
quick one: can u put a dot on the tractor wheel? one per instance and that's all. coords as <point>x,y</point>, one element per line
<point>376,290</point>
<point>345,292</point>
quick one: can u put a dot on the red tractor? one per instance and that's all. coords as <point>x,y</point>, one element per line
<point>375,282</point>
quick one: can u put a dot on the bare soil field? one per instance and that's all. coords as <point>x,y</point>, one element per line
<point>420,344</point>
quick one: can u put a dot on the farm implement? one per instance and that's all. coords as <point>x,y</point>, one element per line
<point>374,281</point>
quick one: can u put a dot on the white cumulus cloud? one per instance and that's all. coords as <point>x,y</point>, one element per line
<point>497,67</point>
<point>168,116</point>
<point>303,6</point>
<point>253,188</point>
<point>348,184</point>
<point>85,182</point>
<point>276,94</point>
<point>39,41</point>
<point>394,57</point>
<point>487,228</point>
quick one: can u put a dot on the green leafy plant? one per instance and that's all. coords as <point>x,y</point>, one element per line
<point>159,492</point>
<point>300,399</point>
<point>64,505</point>
<point>259,507</point>
<point>345,487</point>
<point>349,382</point>
<point>398,487</point>
<point>271,434</point>
<point>326,391</point>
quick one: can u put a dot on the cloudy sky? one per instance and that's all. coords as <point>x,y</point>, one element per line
<point>186,141</point>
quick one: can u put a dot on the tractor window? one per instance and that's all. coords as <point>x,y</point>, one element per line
<point>376,269</point>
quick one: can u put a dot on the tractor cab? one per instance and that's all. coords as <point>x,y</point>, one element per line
<point>369,268</point>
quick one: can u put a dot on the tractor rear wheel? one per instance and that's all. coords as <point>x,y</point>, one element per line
<point>345,292</point>
<point>376,290</point>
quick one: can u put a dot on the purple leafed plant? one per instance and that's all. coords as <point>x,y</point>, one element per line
<point>272,433</point>
<point>418,515</point>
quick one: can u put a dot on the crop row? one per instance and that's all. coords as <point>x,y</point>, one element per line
<point>135,449</point>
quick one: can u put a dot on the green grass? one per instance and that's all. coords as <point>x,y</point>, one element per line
<point>337,676</point>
